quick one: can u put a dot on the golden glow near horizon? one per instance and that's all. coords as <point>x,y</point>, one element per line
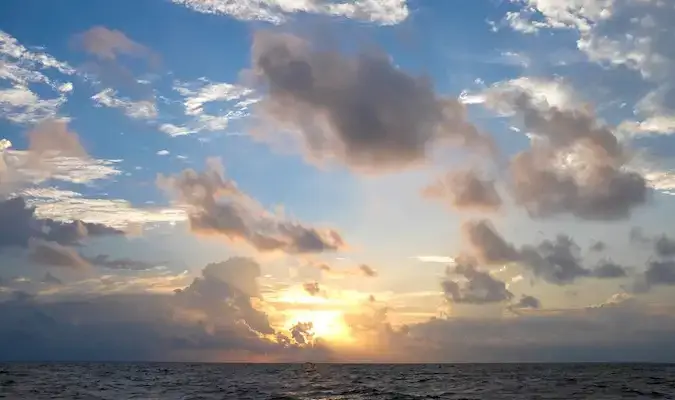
<point>329,325</point>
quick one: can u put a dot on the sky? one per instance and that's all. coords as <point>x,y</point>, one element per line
<point>338,181</point>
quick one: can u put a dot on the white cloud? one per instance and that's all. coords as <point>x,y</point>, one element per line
<point>637,35</point>
<point>234,102</point>
<point>143,109</point>
<point>22,69</point>
<point>435,259</point>
<point>163,153</point>
<point>20,168</point>
<point>66,205</point>
<point>384,12</point>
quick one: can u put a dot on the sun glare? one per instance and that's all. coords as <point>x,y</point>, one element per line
<point>328,325</point>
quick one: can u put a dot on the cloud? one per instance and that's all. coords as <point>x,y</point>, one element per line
<point>465,190</point>
<point>18,225</point>
<point>24,71</point>
<point>163,152</point>
<point>618,33</point>
<point>54,254</point>
<point>436,259</point>
<point>598,246</point>
<point>486,245</point>
<point>382,12</point>
<point>63,205</point>
<point>142,109</point>
<point>218,207</point>
<point>660,273</point>
<point>555,261</point>
<point>302,332</point>
<point>578,167</point>
<point>50,279</point>
<point>527,302</point>
<point>104,260</point>
<point>52,138</point>
<point>312,288</point>
<point>480,287</point>
<point>367,270</point>
<point>665,246</point>
<point>108,44</point>
<point>234,99</point>
<point>608,269</point>
<point>362,111</point>
<point>213,318</point>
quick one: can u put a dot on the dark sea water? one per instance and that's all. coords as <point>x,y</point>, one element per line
<point>330,381</point>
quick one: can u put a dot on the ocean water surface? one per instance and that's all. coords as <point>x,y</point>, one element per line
<point>333,381</point>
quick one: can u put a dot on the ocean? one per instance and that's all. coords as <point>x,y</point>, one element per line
<point>335,381</point>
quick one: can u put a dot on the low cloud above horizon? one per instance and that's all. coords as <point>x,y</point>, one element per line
<point>166,195</point>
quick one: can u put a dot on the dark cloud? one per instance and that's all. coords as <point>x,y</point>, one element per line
<point>54,254</point>
<point>660,273</point>
<point>302,332</point>
<point>18,224</point>
<point>487,245</point>
<point>50,279</point>
<point>217,206</point>
<point>312,288</point>
<point>104,260</point>
<point>367,270</point>
<point>210,319</point>
<point>554,261</point>
<point>598,246</point>
<point>526,302</point>
<point>465,190</point>
<point>638,236</point>
<point>360,110</point>
<point>609,270</point>
<point>575,165</point>
<point>479,288</point>
<point>665,246</point>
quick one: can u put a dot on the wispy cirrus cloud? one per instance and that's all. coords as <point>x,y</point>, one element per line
<point>384,12</point>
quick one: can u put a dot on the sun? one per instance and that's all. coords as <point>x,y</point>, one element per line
<point>329,325</point>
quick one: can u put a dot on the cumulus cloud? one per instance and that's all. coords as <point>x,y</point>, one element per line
<point>479,287</point>
<point>665,246</point>
<point>575,166</point>
<point>465,190</point>
<point>555,261</point>
<point>527,302</point>
<point>486,245</point>
<point>383,12</point>
<point>108,44</point>
<point>104,260</point>
<point>217,206</point>
<point>212,318</point>
<point>362,111</point>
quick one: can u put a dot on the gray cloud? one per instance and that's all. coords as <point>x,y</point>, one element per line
<point>312,288</point>
<point>302,332</point>
<point>54,254</point>
<point>665,246</point>
<point>18,224</point>
<point>607,269</point>
<point>575,164</point>
<point>465,190</point>
<point>104,260</point>
<point>362,111</point>
<point>211,318</point>
<point>51,279</point>
<point>598,246</point>
<point>108,44</point>
<point>52,138</point>
<point>555,261</point>
<point>217,206</point>
<point>480,287</point>
<point>367,270</point>
<point>526,302</point>
<point>660,273</point>
<point>487,245</point>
